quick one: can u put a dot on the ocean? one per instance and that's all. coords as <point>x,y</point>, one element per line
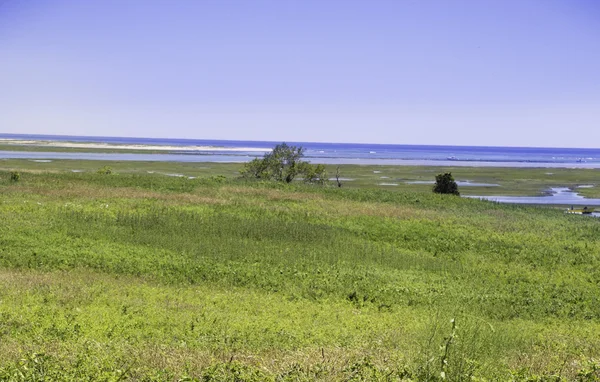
<point>328,153</point>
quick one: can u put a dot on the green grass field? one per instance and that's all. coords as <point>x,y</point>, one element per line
<point>143,276</point>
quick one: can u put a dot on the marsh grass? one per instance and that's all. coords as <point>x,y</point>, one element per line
<point>511,181</point>
<point>151,277</point>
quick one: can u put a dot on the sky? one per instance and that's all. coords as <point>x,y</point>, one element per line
<point>456,72</point>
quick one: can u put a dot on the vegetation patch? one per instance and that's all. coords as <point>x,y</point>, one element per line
<point>143,276</point>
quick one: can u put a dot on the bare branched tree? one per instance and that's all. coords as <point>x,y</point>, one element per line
<point>337,176</point>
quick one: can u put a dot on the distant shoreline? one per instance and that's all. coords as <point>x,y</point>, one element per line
<point>14,146</point>
<point>119,146</point>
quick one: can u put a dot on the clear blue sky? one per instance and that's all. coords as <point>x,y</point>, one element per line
<point>478,72</point>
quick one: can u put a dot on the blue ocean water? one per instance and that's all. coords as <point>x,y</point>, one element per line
<point>334,153</point>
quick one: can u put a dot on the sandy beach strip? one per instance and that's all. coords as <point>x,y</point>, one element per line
<point>118,146</point>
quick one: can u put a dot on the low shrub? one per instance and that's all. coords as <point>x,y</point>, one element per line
<point>105,170</point>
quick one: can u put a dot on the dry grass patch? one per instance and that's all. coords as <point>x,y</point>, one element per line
<point>275,195</point>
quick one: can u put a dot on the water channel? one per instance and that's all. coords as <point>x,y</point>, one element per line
<point>559,195</point>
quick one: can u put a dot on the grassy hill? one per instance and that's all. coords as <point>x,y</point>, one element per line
<point>150,277</point>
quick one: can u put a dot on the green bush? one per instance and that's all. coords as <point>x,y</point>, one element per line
<point>15,176</point>
<point>217,179</point>
<point>445,184</point>
<point>105,170</point>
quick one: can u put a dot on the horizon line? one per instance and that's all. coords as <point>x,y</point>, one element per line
<point>288,141</point>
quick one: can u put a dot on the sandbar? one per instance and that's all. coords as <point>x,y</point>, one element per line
<point>119,146</point>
